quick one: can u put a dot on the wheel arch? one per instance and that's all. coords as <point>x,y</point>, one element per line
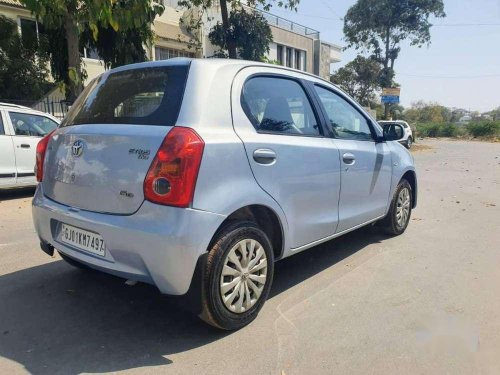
<point>411,177</point>
<point>266,218</point>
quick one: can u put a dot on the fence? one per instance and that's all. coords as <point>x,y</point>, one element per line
<point>56,107</point>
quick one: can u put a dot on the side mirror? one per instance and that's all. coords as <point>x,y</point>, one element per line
<point>393,132</point>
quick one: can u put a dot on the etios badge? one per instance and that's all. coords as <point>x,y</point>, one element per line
<point>77,148</point>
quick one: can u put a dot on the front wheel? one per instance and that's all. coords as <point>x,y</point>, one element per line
<point>238,276</point>
<point>399,214</point>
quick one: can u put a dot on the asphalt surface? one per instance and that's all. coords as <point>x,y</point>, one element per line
<point>424,302</point>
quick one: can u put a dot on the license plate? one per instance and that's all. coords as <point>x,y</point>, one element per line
<point>82,239</point>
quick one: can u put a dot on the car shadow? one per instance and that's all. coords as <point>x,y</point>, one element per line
<point>58,319</point>
<point>17,193</point>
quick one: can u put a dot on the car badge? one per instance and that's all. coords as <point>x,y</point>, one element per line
<point>77,148</point>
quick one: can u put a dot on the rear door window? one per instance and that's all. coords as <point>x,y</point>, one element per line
<point>2,130</point>
<point>144,96</point>
<point>279,105</point>
<point>31,125</point>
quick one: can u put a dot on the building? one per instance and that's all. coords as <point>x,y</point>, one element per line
<point>294,45</point>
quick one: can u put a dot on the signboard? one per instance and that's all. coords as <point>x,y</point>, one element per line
<point>391,91</point>
<point>390,99</point>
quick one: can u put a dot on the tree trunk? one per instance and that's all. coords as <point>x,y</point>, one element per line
<point>74,65</point>
<point>231,45</point>
<point>386,66</point>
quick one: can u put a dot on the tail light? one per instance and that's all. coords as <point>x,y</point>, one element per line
<point>171,178</point>
<point>41,149</point>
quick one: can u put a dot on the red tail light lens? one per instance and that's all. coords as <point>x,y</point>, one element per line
<point>41,149</point>
<point>171,178</point>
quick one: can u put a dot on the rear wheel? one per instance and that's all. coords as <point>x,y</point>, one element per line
<point>399,214</point>
<point>409,142</point>
<point>238,276</point>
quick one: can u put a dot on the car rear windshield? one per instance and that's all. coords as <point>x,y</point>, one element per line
<point>143,96</point>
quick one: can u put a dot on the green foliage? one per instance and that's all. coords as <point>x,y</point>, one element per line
<point>124,45</point>
<point>359,78</point>
<point>484,128</point>
<point>379,27</point>
<point>223,34</point>
<point>422,112</point>
<point>71,22</point>
<point>437,130</point>
<point>249,30</point>
<point>23,66</point>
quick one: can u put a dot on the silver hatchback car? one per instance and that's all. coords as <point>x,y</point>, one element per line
<point>197,175</point>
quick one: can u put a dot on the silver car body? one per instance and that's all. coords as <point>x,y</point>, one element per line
<point>313,194</point>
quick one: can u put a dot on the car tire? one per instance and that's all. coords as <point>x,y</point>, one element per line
<point>409,143</point>
<point>237,277</point>
<point>398,217</point>
<point>74,263</point>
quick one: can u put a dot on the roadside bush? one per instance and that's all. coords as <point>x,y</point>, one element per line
<point>484,128</point>
<point>438,130</point>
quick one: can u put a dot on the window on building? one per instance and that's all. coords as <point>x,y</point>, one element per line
<point>29,32</point>
<point>279,52</point>
<point>162,53</point>
<point>297,65</point>
<point>288,57</point>
<point>279,105</point>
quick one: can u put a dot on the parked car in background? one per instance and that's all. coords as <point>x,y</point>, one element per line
<point>408,138</point>
<point>197,175</point>
<point>21,128</point>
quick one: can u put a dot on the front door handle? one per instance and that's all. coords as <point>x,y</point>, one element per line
<point>24,145</point>
<point>348,158</point>
<point>264,156</point>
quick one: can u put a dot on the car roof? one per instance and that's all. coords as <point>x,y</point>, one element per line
<point>10,105</point>
<point>23,109</point>
<point>212,62</point>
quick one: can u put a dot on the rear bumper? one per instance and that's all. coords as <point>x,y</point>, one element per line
<point>158,245</point>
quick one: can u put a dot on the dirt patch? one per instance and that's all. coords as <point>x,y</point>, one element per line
<point>419,147</point>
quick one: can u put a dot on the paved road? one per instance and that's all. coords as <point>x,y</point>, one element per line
<point>425,302</point>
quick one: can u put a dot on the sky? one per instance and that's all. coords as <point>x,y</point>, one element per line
<point>461,66</point>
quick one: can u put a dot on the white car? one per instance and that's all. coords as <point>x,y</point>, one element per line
<point>407,139</point>
<point>21,128</point>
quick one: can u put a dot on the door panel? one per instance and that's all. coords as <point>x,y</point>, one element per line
<point>7,156</point>
<point>289,158</point>
<point>366,181</point>
<point>28,130</point>
<point>366,165</point>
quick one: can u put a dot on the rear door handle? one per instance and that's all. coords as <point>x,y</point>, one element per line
<point>264,156</point>
<point>348,158</point>
<point>24,145</point>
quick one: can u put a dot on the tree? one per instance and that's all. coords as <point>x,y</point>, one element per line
<point>232,39</point>
<point>23,65</point>
<point>379,27</point>
<point>249,31</point>
<point>359,78</point>
<point>74,16</point>
<point>422,112</point>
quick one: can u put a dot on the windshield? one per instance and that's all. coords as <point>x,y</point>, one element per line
<point>144,96</point>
